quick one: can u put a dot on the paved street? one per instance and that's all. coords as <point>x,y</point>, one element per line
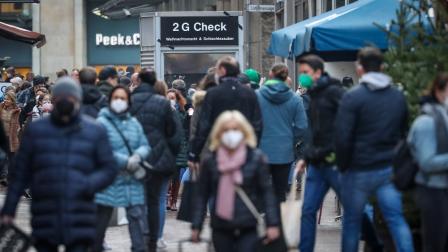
<point>118,239</point>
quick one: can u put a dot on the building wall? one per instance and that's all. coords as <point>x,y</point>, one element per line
<point>63,23</point>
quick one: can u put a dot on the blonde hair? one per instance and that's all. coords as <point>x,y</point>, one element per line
<point>244,126</point>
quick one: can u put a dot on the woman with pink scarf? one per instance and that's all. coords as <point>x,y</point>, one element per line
<point>234,162</point>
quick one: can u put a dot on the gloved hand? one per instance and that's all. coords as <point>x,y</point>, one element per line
<point>133,163</point>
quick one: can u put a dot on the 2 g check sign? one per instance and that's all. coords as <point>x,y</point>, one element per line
<point>199,31</point>
<point>199,27</point>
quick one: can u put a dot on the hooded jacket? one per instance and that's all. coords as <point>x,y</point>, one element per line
<point>324,102</point>
<point>284,121</point>
<point>92,100</point>
<point>372,118</point>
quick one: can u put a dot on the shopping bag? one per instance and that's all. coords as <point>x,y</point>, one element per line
<point>12,239</point>
<point>187,199</point>
<point>291,212</point>
<point>195,246</point>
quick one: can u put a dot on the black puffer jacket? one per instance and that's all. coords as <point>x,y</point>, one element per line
<point>325,97</point>
<point>92,100</point>
<point>64,166</point>
<point>161,125</point>
<point>228,95</point>
<point>255,184</point>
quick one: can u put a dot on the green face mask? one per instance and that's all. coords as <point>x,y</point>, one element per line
<point>305,80</point>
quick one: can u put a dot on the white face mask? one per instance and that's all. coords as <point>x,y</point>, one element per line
<point>232,139</point>
<point>119,106</point>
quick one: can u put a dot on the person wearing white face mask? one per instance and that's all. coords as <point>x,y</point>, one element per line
<point>234,157</point>
<point>130,148</point>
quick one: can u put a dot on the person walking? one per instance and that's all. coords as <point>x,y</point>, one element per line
<point>371,120</point>
<point>92,99</point>
<point>163,131</point>
<point>325,93</point>
<point>284,121</point>
<point>63,176</point>
<point>234,157</point>
<point>228,95</point>
<point>127,191</point>
<point>9,114</point>
<point>43,106</point>
<point>178,103</point>
<point>428,140</point>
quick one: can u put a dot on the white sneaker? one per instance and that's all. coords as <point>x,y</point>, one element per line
<point>161,244</point>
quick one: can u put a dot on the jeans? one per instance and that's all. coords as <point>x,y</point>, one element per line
<point>280,176</point>
<point>162,209</point>
<point>318,182</point>
<point>186,176</point>
<point>44,246</point>
<point>136,216</point>
<point>235,240</point>
<point>433,205</point>
<point>356,188</point>
<point>154,186</point>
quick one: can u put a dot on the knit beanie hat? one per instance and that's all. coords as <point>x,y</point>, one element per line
<point>66,86</point>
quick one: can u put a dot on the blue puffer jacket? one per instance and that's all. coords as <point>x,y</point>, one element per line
<point>126,190</point>
<point>64,166</point>
<point>284,121</point>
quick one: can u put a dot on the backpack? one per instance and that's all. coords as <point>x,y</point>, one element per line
<point>405,167</point>
<point>404,164</point>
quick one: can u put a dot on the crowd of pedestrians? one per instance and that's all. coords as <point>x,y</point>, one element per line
<point>243,135</point>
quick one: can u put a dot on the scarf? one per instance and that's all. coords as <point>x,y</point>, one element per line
<point>229,167</point>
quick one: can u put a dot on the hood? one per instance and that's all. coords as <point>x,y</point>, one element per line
<point>278,93</point>
<point>323,82</point>
<point>376,80</point>
<point>105,112</point>
<point>199,97</point>
<point>90,94</point>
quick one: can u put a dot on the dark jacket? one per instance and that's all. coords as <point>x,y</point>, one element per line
<point>64,167</point>
<point>324,102</point>
<point>161,126</point>
<point>105,88</point>
<point>228,95</point>
<point>372,118</point>
<point>284,121</point>
<point>92,100</point>
<point>28,106</point>
<point>255,184</point>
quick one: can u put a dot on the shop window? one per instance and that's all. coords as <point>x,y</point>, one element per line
<point>340,3</point>
<point>18,6</point>
<point>352,1</point>
<point>191,67</point>
<point>305,10</point>
<point>327,5</point>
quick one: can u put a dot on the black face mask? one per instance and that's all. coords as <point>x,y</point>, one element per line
<point>63,109</point>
